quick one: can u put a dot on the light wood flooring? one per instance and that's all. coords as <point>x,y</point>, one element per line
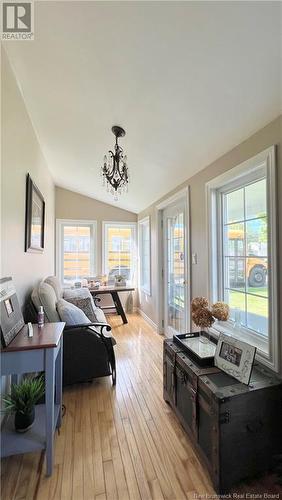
<point>117,443</point>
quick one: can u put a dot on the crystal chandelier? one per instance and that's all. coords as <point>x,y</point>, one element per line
<point>115,170</point>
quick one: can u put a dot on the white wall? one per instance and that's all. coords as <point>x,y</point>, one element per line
<point>21,154</point>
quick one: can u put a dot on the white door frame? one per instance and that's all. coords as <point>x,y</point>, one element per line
<point>185,195</point>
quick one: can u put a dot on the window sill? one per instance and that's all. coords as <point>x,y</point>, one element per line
<point>146,292</point>
<point>244,335</point>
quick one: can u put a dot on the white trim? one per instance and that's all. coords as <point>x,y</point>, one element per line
<point>132,225</point>
<point>142,222</point>
<point>146,318</point>
<point>173,198</point>
<point>181,194</point>
<point>59,249</point>
<point>250,168</point>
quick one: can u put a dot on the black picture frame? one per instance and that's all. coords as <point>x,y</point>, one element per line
<point>34,218</point>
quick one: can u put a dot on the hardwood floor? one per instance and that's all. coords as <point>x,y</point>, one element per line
<point>116,443</point>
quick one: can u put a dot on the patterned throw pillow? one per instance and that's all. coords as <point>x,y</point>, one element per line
<point>71,314</point>
<point>85,304</point>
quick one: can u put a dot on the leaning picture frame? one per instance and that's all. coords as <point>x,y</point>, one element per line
<point>34,218</point>
<point>235,357</point>
<point>11,318</point>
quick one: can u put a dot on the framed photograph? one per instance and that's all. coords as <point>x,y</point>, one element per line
<point>235,358</point>
<point>34,218</point>
<point>11,318</point>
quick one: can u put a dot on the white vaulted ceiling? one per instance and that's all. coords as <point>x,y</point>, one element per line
<point>187,80</point>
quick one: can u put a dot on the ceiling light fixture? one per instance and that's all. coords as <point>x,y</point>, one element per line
<point>115,170</point>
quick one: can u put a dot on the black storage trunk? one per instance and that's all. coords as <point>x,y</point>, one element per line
<point>187,374</point>
<point>169,354</point>
<point>236,429</point>
<point>239,426</point>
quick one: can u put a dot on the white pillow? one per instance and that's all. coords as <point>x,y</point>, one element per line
<point>71,314</point>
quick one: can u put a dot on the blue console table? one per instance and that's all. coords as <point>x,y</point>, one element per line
<point>41,353</point>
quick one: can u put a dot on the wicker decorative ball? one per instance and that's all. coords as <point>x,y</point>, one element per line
<point>220,311</point>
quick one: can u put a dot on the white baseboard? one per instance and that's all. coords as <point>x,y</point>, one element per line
<point>146,318</point>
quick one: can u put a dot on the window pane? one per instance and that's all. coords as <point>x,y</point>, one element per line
<point>256,231</point>
<point>234,235</point>
<point>77,259</point>
<point>257,314</point>
<point>234,203</point>
<point>245,265</point>
<point>257,281</point>
<point>236,301</point>
<point>235,273</point>
<point>119,251</point>
<point>256,199</point>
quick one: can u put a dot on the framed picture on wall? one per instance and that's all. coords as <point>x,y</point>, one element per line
<point>34,218</point>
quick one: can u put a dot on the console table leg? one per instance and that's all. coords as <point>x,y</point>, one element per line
<point>119,307</point>
<point>49,402</point>
<point>15,378</point>
<point>59,380</point>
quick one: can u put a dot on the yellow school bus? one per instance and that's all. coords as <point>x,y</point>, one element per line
<point>256,267</point>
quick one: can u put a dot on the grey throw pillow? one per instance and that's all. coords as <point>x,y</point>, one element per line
<point>71,314</point>
<point>85,304</point>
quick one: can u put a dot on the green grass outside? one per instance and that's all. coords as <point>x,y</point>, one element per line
<point>255,305</point>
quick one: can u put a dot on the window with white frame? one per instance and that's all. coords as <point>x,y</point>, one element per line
<point>76,250</point>
<point>242,221</point>
<point>119,250</point>
<point>144,243</point>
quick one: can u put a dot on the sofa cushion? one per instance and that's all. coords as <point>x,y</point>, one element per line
<point>71,314</point>
<point>78,293</point>
<point>56,285</point>
<point>44,295</point>
<point>35,298</point>
<point>85,304</point>
<point>100,316</point>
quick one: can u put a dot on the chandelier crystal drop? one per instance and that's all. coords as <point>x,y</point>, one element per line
<point>115,175</point>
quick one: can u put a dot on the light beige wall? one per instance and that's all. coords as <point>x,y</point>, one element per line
<point>71,205</point>
<point>21,154</point>
<point>271,134</point>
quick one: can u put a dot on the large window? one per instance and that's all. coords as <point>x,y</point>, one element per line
<point>243,251</point>
<point>119,250</point>
<point>76,250</point>
<point>144,242</point>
